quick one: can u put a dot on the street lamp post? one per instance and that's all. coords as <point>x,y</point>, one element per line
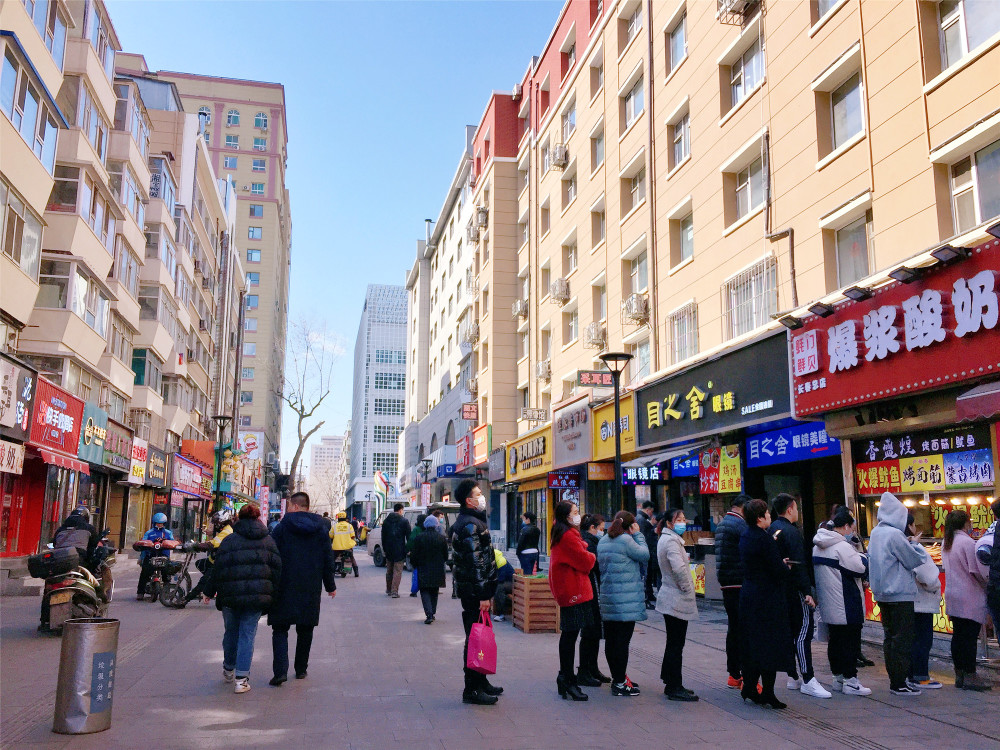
<point>615,362</point>
<point>221,420</point>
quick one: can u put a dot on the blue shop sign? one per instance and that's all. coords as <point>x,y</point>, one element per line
<point>445,470</point>
<point>684,466</point>
<point>799,442</point>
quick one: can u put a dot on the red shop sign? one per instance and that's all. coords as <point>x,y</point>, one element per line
<point>185,476</point>
<point>57,418</point>
<point>938,330</point>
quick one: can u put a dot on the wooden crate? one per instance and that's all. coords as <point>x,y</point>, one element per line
<point>535,611</point>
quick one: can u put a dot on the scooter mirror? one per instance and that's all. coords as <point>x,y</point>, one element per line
<point>105,532</point>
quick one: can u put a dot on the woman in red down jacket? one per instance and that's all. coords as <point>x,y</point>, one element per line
<point>569,578</point>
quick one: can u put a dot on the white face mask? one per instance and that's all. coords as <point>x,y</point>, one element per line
<point>481,503</point>
<point>575,519</point>
<point>598,533</point>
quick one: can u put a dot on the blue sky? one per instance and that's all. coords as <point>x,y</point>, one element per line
<point>378,94</point>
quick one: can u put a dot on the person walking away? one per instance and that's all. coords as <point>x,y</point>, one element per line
<point>965,580</point>
<point>764,634</point>
<point>395,533</point>
<point>244,582</point>
<point>798,596</point>
<point>418,529</point>
<point>926,604</point>
<point>840,570</point>
<point>527,543</point>
<point>589,674</point>
<point>651,570</point>
<point>475,578</point>
<point>222,526</point>
<point>621,553</point>
<point>569,580</point>
<point>157,533</point>
<point>505,586</point>
<point>729,572</point>
<point>675,601</point>
<point>986,553</point>
<point>307,567</point>
<point>892,558</point>
<point>428,556</point>
<point>344,538</point>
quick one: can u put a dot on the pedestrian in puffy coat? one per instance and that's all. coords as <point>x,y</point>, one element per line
<point>244,581</point>
<point>589,674</point>
<point>729,571</point>
<point>621,553</point>
<point>964,597</point>
<point>569,580</point>
<point>429,553</point>
<point>675,601</point>
<point>926,604</point>
<point>840,572</point>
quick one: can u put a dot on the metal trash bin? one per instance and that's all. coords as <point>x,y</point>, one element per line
<point>86,675</point>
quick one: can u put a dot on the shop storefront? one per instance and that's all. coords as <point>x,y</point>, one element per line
<point>94,487</point>
<point>188,499</point>
<point>118,462</point>
<point>19,519</point>
<point>907,378</point>
<point>600,472</point>
<point>529,461</point>
<point>572,450</point>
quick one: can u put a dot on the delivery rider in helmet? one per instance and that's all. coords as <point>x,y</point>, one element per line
<point>342,535</point>
<point>222,526</point>
<point>157,533</point>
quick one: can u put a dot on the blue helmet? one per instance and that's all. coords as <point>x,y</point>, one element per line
<point>159,518</point>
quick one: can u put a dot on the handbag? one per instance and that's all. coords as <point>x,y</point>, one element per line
<point>482,654</point>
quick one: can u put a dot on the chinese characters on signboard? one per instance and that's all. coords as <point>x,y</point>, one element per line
<point>594,379</point>
<point>720,470</point>
<point>137,468</point>
<point>58,418</point>
<point>11,457</point>
<point>563,479</point>
<point>470,411</point>
<point>799,442</point>
<point>17,397</point>
<point>571,434</point>
<point>644,474</point>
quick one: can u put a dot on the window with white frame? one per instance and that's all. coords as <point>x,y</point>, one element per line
<point>598,226</point>
<point>569,121</point>
<point>569,189</point>
<point>546,157</point>
<point>389,406</point>
<point>255,233</point>
<point>975,188</point>
<point>232,118</point>
<point>638,367</point>
<point>260,120</point>
<point>677,44</point>
<point>260,144</point>
<point>851,244</point>
<point>126,266</point>
<point>750,188</point>
<point>751,297</point>
<point>125,185</point>
<point>256,188</point>
<point>629,26</point>
<point>233,141</point>
<point>638,279</point>
<point>249,348</point>
<point>206,114</point>
<point>596,150</point>
<point>681,239</point>
<point>522,344</point>
<point>545,218</point>
<point>680,133</point>
<point>632,104</point>
<point>847,111</point>
<point>247,373</point>
<point>569,258</point>
<point>600,294</point>
<point>596,76</point>
<point>229,162</point>
<point>823,7</point>
<point>682,327</point>
<point>746,73</point>
<point>22,101</point>
<point>253,278</point>
<point>964,26</point>
<point>98,27</point>
<point>633,190</point>
<point>571,326</point>
<point>259,165</point>
<point>50,21</point>
<point>20,231</point>
<point>250,324</point>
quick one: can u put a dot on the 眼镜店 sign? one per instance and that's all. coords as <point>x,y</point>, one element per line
<point>644,474</point>
<point>938,330</point>
<point>58,418</point>
<point>743,387</point>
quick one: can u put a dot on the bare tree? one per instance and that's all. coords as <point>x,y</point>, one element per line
<point>308,374</point>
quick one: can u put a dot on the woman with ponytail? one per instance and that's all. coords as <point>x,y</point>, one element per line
<point>569,579</point>
<point>675,601</point>
<point>620,555</point>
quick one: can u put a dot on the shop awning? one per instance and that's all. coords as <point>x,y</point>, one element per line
<point>66,462</point>
<point>658,458</point>
<point>982,402</point>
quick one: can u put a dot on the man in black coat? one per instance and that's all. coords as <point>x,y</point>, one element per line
<point>307,563</point>
<point>395,535</point>
<point>647,527</point>
<point>798,596</point>
<point>729,571</point>
<point>77,531</point>
<point>475,576</point>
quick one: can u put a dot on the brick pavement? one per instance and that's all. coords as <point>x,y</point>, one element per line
<point>379,678</point>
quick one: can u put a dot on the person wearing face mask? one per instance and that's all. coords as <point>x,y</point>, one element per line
<point>675,601</point>
<point>926,604</point>
<point>589,674</point>
<point>569,579</point>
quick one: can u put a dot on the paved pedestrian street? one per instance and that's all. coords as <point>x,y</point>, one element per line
<point>381,679</point>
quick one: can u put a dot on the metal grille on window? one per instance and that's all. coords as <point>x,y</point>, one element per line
<point>683,332</point>
<point>751,297</point>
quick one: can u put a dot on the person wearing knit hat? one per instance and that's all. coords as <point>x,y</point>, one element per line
<point>892,560</point>
<point>428,555</point>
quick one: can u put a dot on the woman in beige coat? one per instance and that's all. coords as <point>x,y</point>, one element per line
<point>675,601</point>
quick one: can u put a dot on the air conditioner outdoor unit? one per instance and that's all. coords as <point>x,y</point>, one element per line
<point>519,309</point>
<point>472,233</point>
<point>733,6</point>
<point>482,217</point>
<point>202,325</point>
<point>471,335</point>
<point>559,290</point>
<point>560,155</point>
<point>543,370</point>
<point>635,308</point>
<point>516,93</point>
<point>246,188</point>
<point>472,386</point>
<point>594,336</point>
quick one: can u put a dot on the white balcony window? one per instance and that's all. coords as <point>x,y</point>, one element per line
<point>975,188</point>
<point>846,105</point>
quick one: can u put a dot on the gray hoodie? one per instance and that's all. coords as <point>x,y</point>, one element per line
<point>892,557</point>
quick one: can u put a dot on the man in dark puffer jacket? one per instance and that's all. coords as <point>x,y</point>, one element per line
<point>475,579</point>
<point>729,571</point>
<point>245,581</point>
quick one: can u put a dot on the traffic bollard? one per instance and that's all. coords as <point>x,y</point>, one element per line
<point>86,675</point>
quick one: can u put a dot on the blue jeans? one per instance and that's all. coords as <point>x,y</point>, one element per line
<point>528,561</point>
<point>414,583</point>
<point>237,641</point>
<point>923,639</point>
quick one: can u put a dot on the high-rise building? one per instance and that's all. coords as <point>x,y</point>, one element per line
<point>379,408</point>
<point>324,459</point>
<point>247,136</point>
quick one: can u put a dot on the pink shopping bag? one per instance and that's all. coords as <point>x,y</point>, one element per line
<point>482,655</point>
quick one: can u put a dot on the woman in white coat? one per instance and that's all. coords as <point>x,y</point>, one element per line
<point>675,601</point>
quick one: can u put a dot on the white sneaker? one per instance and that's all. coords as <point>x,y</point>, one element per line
<point>853,687</point>
<point>838,683</point>
<point>814,689</point>
<point>228,674</point>
<point>793,684</point>
<point>242,685</point>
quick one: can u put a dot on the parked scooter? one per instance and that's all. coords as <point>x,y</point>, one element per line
<point>162,567</point>
<point>71,588</point>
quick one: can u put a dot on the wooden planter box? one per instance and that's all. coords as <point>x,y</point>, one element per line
<point>535,611</point>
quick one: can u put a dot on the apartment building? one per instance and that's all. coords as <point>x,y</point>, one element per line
<point>342,473</point>
<point>246,132</point>
<point>378,410</point>
<point>324,459</point>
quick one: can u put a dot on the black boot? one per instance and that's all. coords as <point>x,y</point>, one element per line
<point>568,688</point>
<point>586,679</point>
<point>597,675</point>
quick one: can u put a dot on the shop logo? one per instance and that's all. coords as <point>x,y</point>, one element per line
<point>94,434</point>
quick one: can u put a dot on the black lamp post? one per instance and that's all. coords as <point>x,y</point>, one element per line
<point>221,420</point>
<point>615,362</point>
